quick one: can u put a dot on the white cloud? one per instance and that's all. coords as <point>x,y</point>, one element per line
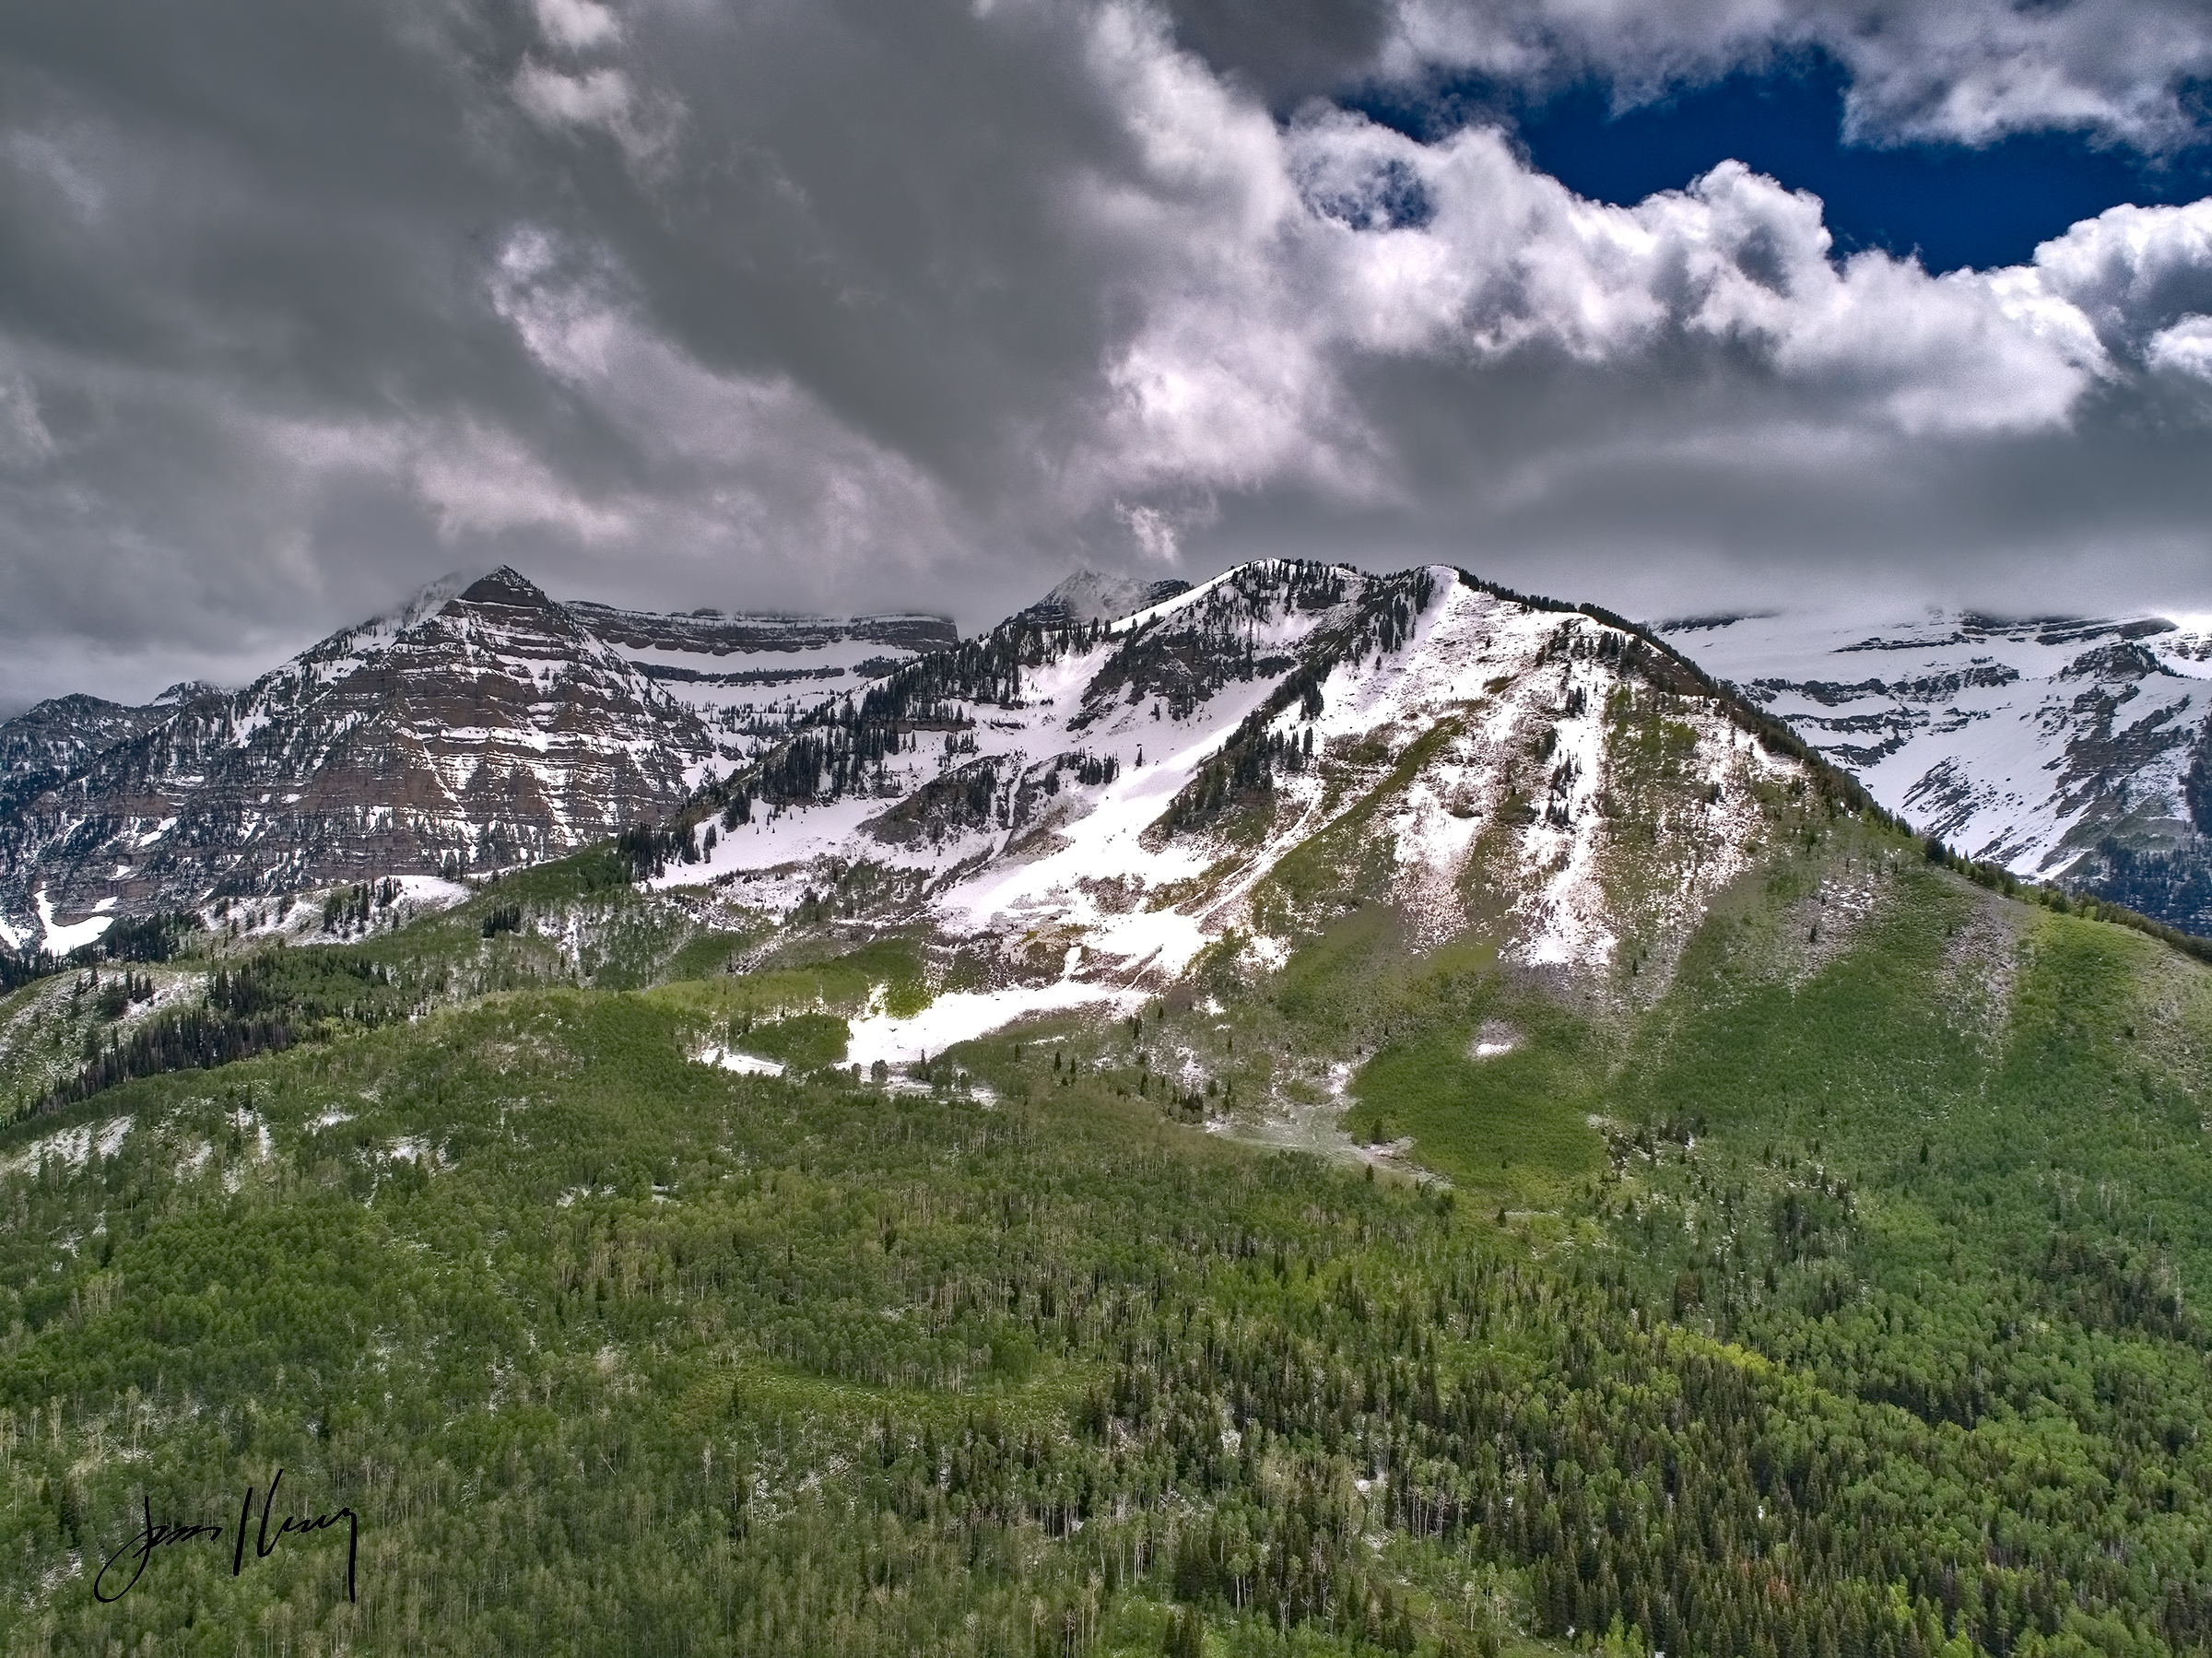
<point>604,99</point>
<point>2131,271</point>
<point>1965,71</point>
<point>24,439</point>
<point>2183,349</point>
<point>598,98</point>
<point>478,480</point>
<point>1269,263</point>
<point>576,25</point>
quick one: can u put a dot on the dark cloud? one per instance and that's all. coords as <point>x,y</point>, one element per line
<point>857,305</point>
<point>1287,50</point>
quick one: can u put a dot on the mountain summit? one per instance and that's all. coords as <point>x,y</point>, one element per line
<point>480,724</point>
<point>1094,806</point>
<point>1091,595</point>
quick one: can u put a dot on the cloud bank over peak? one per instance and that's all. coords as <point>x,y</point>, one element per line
<point>856,305</point>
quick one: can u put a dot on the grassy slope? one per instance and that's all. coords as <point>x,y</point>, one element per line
<point>1862,1306</point>
<point>569,1318</point>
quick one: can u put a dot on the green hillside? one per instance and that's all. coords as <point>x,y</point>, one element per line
<point>1823,1282</point>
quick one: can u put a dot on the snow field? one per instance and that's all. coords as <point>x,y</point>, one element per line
<point>964,1016</point>
<point>1999,768</point>
<point>61,939</point>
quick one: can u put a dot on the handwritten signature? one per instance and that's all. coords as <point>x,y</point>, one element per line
<point>140,1548</point>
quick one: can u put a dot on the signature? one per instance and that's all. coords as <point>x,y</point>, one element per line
<point>140,1548</point>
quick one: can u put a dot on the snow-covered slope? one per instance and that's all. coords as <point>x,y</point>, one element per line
<point>1093,805</point>
<point>2030,744</point>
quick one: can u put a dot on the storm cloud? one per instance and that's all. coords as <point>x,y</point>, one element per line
<point>851,305</point>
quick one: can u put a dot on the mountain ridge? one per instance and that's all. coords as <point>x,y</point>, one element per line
<point>478,725</point>
<point>1096,807</point>
<point>689,707</point>
<point>2069,749</point>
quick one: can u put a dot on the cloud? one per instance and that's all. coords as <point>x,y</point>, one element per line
<point>24,440</point>
<point>2133,271</point>
<point>1278,261</point>
<point>601,100</point>
<point>598,98</point>
<point>2183,349</point>
<point>862,304</point>
<point>1966,71</point>
<point>577,25</point>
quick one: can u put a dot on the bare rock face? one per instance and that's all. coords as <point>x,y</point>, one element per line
<point>40,747</point>
<point>470,730</point>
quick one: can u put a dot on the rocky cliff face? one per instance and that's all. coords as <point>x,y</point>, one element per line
<point>475,727</point>
<point>40,749</point>
<point>2069,749</point>
<point>749,676</point>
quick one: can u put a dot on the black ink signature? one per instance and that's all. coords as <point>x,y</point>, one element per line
<point>141,1548</point>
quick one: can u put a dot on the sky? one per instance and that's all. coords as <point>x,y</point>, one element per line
<point>1673,305</point>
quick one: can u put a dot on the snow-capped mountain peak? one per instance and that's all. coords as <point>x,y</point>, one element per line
<point>1091,595</point>
<point>2055,745</point>
<point>1097,803</point>
<point>2016,740</point>
<point>480,724</point>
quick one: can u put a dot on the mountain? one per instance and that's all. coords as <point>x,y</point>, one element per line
<point>1096,805</point>
<point>39,747</point>
<point>2064,748</point>
<point>479,725</point>
<point>1334,1114</point>
<point>1091,595</point>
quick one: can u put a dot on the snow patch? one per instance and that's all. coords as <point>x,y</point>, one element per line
<point>1494,1039</point>
<point>60,939</point>
<point>729,1059</point>
<point>964,1016</point>
<point>71,1146</point>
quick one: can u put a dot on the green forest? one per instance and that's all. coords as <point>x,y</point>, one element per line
<point>1836,1299</point>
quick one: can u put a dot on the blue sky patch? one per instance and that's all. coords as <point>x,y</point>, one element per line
<point>1955,206</point>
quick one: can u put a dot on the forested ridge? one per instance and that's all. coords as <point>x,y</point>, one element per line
<point>598,1339</point>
